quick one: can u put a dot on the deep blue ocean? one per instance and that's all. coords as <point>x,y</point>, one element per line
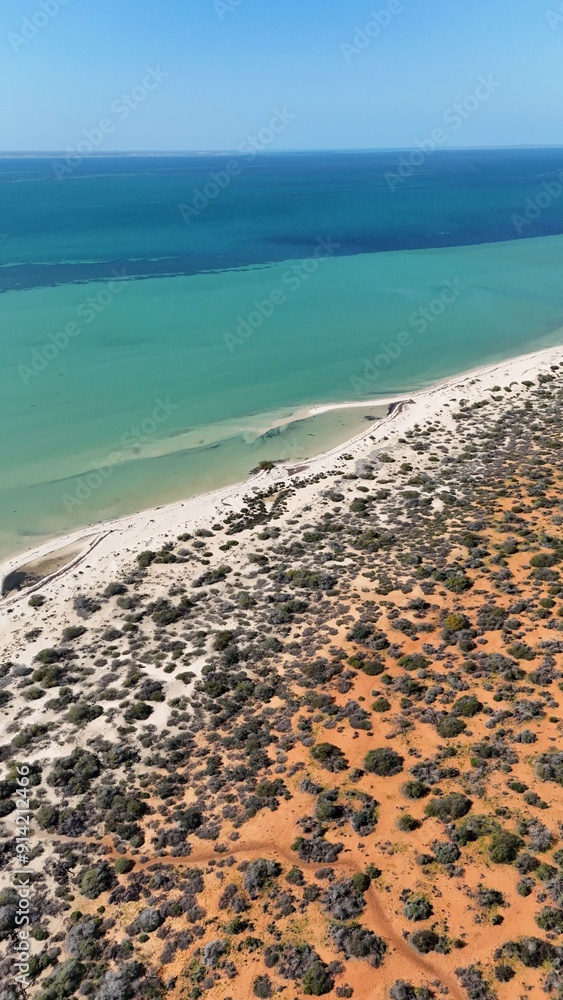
<point>123,213</point>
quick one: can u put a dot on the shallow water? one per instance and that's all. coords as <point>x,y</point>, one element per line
<point>122,394</point>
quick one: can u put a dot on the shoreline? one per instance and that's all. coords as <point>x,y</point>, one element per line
<point>162,521</point>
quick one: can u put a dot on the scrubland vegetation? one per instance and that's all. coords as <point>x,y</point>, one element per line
<point>323,756</point>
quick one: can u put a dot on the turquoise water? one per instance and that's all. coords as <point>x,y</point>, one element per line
<point>118,394</point>
<point>151,393</point>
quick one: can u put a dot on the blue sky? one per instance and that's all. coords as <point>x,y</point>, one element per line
<point>221,69</point>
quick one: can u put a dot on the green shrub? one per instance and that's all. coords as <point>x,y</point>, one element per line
<point>123,865</point>
<point>450,727</point>
<point>383,762</point>
<point>33,693</point>
<point>317,980</point>
<point>517,786</point>
<point>330,757</point>
<point>81,713</point>
<point>417,908</point>
<point>48,655</point>
<point>521,651</point>
<point>361,882</point>
<point>74,773</point>
<point>29,733</point>
<point>415,789</point>
<point>73,632</point>
<point>504,847</point>
<point>373,668</point>
<point>381,705</point>
<point>360,632</point>
<point>63,982</point>
<point>295,876</point>
<point>543,560</point>
<point>424,941</point>
<point>115,590</point>
<point>413,661</point>
<point>262,987</point>
<point>454,580</point>
<point>212,576</point>
<point>96,880</point>
<point>449,807</point>
<point>47,816</point>
<point>407,823</point>
<point>550,919</point>
<point>468,706</point>
<point>138,712</point>
<point>503,973</point>
<point>146,558</point>
<point>49,676</point>
<point>222,640</point>
<point>549,766</point>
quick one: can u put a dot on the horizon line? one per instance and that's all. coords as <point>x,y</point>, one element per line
<point>30,154</point>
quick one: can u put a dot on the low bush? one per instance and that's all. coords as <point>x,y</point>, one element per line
<point>424,941</point>
<point>96,880</point>
<point>504,847</point>
<point>468,706</point>
<point>317,981</point>
<point>407,823</point>
<point>383,762</point>
<point>330,757</point>
<point>415,790</point>
<point>356,941</point>
<point>549,766</point>
<point>449,807</point>
<point>550,919</point>
<point>450,727</point>
<point>417,908</point>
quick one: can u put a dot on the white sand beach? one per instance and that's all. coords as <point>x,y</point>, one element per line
<point>86,561</point>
